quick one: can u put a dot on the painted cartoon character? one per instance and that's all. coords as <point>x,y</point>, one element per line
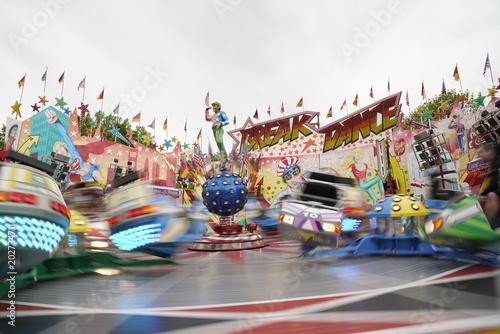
<point>459,127</point>
<point>11,137</point>
<point>290,171</point>
<point>367,178</point>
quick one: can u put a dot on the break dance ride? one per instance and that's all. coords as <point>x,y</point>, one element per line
<point>451,224</point>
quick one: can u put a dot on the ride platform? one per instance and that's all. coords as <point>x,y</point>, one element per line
<point>267,290</point>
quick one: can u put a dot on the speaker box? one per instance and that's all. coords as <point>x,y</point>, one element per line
<point>61,158</point>
<point>421,136</point>
<point>134,176</point>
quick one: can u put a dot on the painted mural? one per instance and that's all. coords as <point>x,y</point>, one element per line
<point>275,157</point>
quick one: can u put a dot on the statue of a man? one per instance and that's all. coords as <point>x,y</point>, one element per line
<point>219,120</point>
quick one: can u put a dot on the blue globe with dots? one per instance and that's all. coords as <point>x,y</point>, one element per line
<point>224,193</point>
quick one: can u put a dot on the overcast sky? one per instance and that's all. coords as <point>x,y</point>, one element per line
<point>161,57</point>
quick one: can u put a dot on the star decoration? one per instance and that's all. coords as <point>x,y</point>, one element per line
<point>437,114</point>
<point>147,139</point>
<point>60,102</point>
<point>35,107</point>
<point>174,139</point>
<point>308,143</point>
<point>114,131</point>
<point>130,133</point>
<point>185,146</point>
<point>83,108</point>
<point>427,114</point>
<point>479,100</point>
<point>155,146</point>
<point>43,100</point>
<point>419,110</point>
<point>89,131</point>
<point>138,138</point>
<point>491,92</point>
<point>99,116</point>
<point>15,108</point>
<point>167,144</point>
<point>161,148</point>
<point>93,123</point>
<point>67,111</point>
<point>462,97</point>
<point>195,144</point>
<point>443,106</point>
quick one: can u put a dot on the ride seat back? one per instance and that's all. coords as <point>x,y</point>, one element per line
<point>320,192</point>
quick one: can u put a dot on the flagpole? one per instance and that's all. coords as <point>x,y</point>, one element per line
<point>459,78</point>
<point>491,72</point>
<point>45,81</point>
<point>62,86</point>
<point>85,84</point>
<point>102,100</point>
<point>22,90</point>
<point>408,101</point>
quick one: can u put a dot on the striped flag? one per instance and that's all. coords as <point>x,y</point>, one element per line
<point>456,76</point>
<point>82,84</point>
<point>256,115</point>
<point>207,99</point>
<point>299,104</point>
<point>44,76</point>
<point>443,88</point>
<point>355,102</point>
<point>344,104</point>
<point>388,85</point>
<point>208,158</point>
<point>486,64</point>
<point>186,125</point>
<point>234,120</point>
<point>101,96</point>
<point>165,124</point>
<point>371,92</point>
<point>269,110</point>
<point>282,110</point>
<point>152,125</point>
<point>245,156</point>
<point>407,99</point>
<point>21,82</point>
<point>198,158</point>
<point>117,109</point>
<point>61,78</point>
<point>199,134</point>
<point>423,91</point>
<point>137,118</point>
<point>329,113</point>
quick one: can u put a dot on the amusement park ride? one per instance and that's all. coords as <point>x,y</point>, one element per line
<point>451,223</point>
<point>330,218</point>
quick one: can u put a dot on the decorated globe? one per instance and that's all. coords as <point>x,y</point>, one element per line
<point>224,193</point>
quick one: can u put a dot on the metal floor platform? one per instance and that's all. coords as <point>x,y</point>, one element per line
<point>267,290</point>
